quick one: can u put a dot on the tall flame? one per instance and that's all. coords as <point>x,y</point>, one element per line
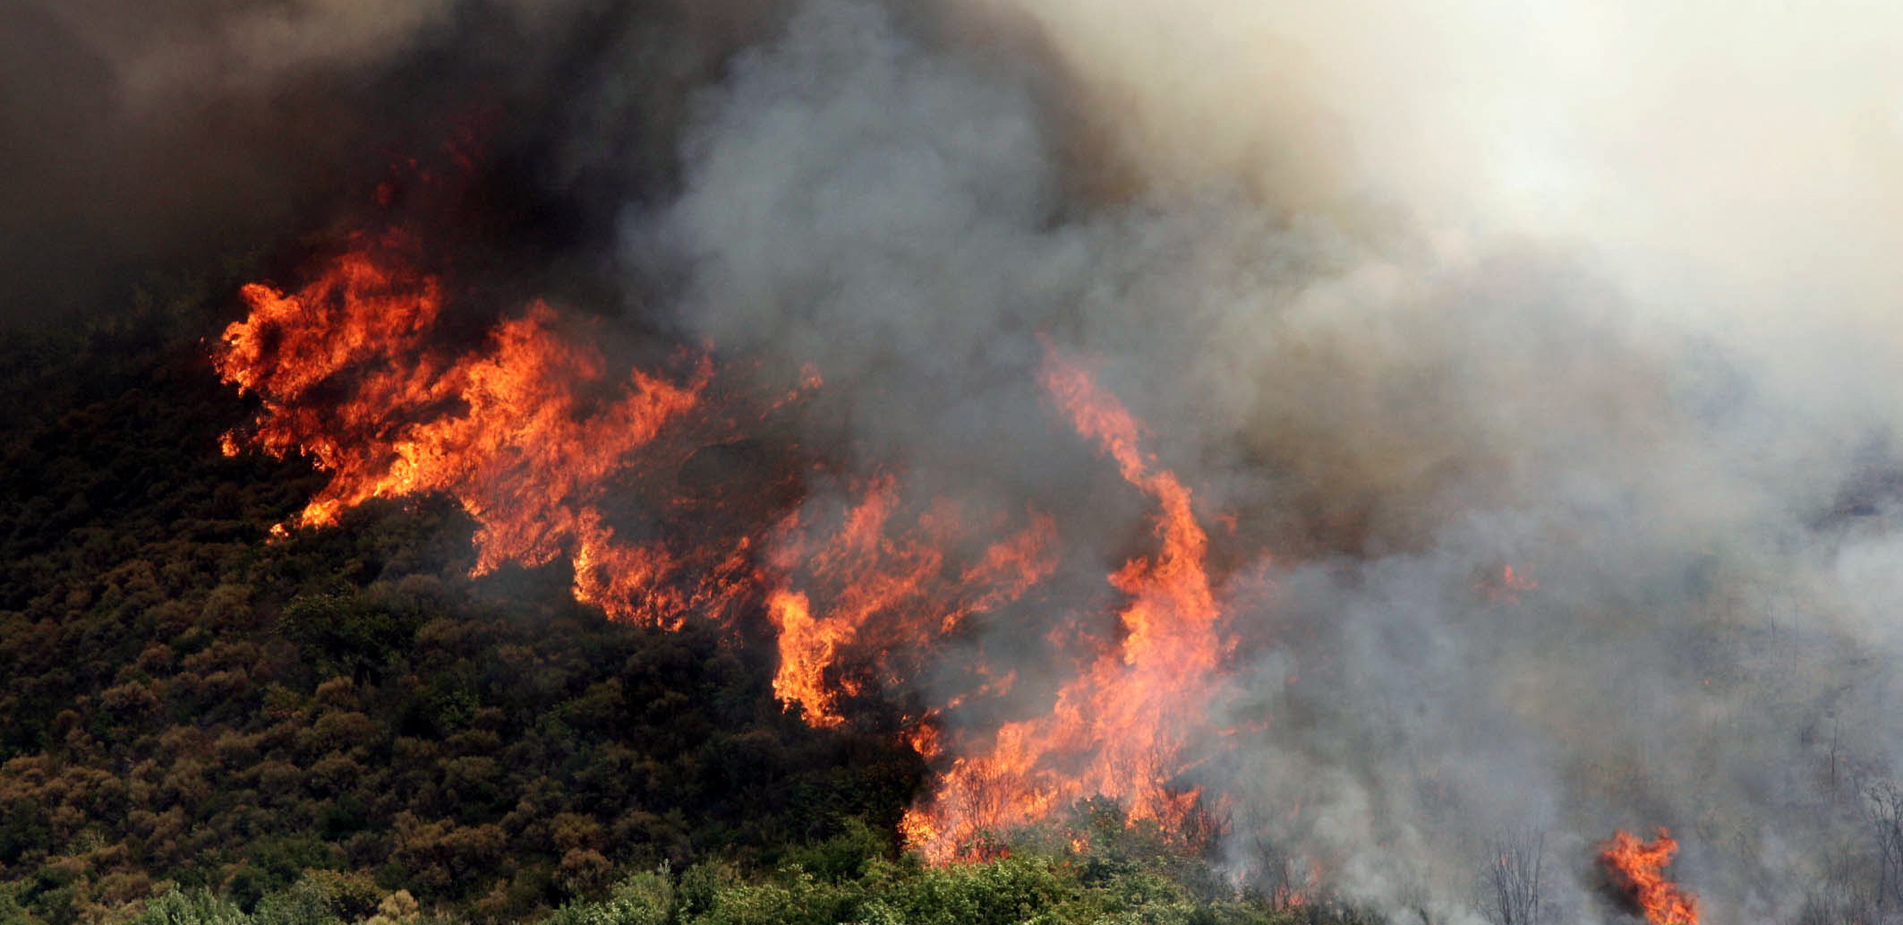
<point>1638,867</point>
<point>1119,729</point>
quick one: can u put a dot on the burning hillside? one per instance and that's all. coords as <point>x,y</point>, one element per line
<point>1384,451</point>
<point>531,436</point>
<point>519,431</point>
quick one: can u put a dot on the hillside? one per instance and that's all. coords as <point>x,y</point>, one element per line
<point>207,724</point>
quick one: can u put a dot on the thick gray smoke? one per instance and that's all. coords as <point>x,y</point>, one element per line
<point>1419,299</point>
<point>1414,293</point>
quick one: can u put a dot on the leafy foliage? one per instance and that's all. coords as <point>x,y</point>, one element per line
<point>1031,885</point>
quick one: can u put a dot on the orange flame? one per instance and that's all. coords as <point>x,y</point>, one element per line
<point>888,593</point>
<point>1508,588</point>
<point>1118,730</point>
<point>528,430</point>
<point>523,432</point>
<point>1638,868</point>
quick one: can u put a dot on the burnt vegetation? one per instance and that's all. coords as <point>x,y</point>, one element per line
<point>201,725</point>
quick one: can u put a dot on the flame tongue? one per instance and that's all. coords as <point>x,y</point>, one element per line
<point>1638,868</point>
<point>887,591</point>
<point>528,431</point>
<point>1120,729</point>
<point>518,432</point>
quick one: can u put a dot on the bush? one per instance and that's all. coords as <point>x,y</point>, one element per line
<point>643,899</point>
<point>194,907</point>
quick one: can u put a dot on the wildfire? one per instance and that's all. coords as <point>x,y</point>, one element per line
<point>887,593</point>
<point>1507,588</point>
<point>524,432</point>
<point>529,432</point>
<point>1117,730</point>
<point>1637,867</point>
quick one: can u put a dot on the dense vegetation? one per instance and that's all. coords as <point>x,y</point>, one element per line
<point>1127,879</point>
<point>202,726</point>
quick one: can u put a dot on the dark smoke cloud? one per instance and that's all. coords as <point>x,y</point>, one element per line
<point>169,134</point>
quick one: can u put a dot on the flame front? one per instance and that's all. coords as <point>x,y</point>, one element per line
<point>1121,728</point>
<point>524,432</point>
<point>529,433</point>
<point>1638,867</point>
<point>887,591</point>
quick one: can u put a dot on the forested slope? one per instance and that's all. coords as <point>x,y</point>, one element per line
<point>210,726</point>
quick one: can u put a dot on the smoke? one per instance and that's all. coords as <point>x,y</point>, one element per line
<point>1597,293</point>
<point>1600,293</point>
<point>174,135</point>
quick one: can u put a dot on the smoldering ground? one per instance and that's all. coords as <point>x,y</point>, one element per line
<point>1597,292</point>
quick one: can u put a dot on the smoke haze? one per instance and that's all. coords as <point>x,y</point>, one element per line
<point>1600,293</point>
<point>1595,293</point>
